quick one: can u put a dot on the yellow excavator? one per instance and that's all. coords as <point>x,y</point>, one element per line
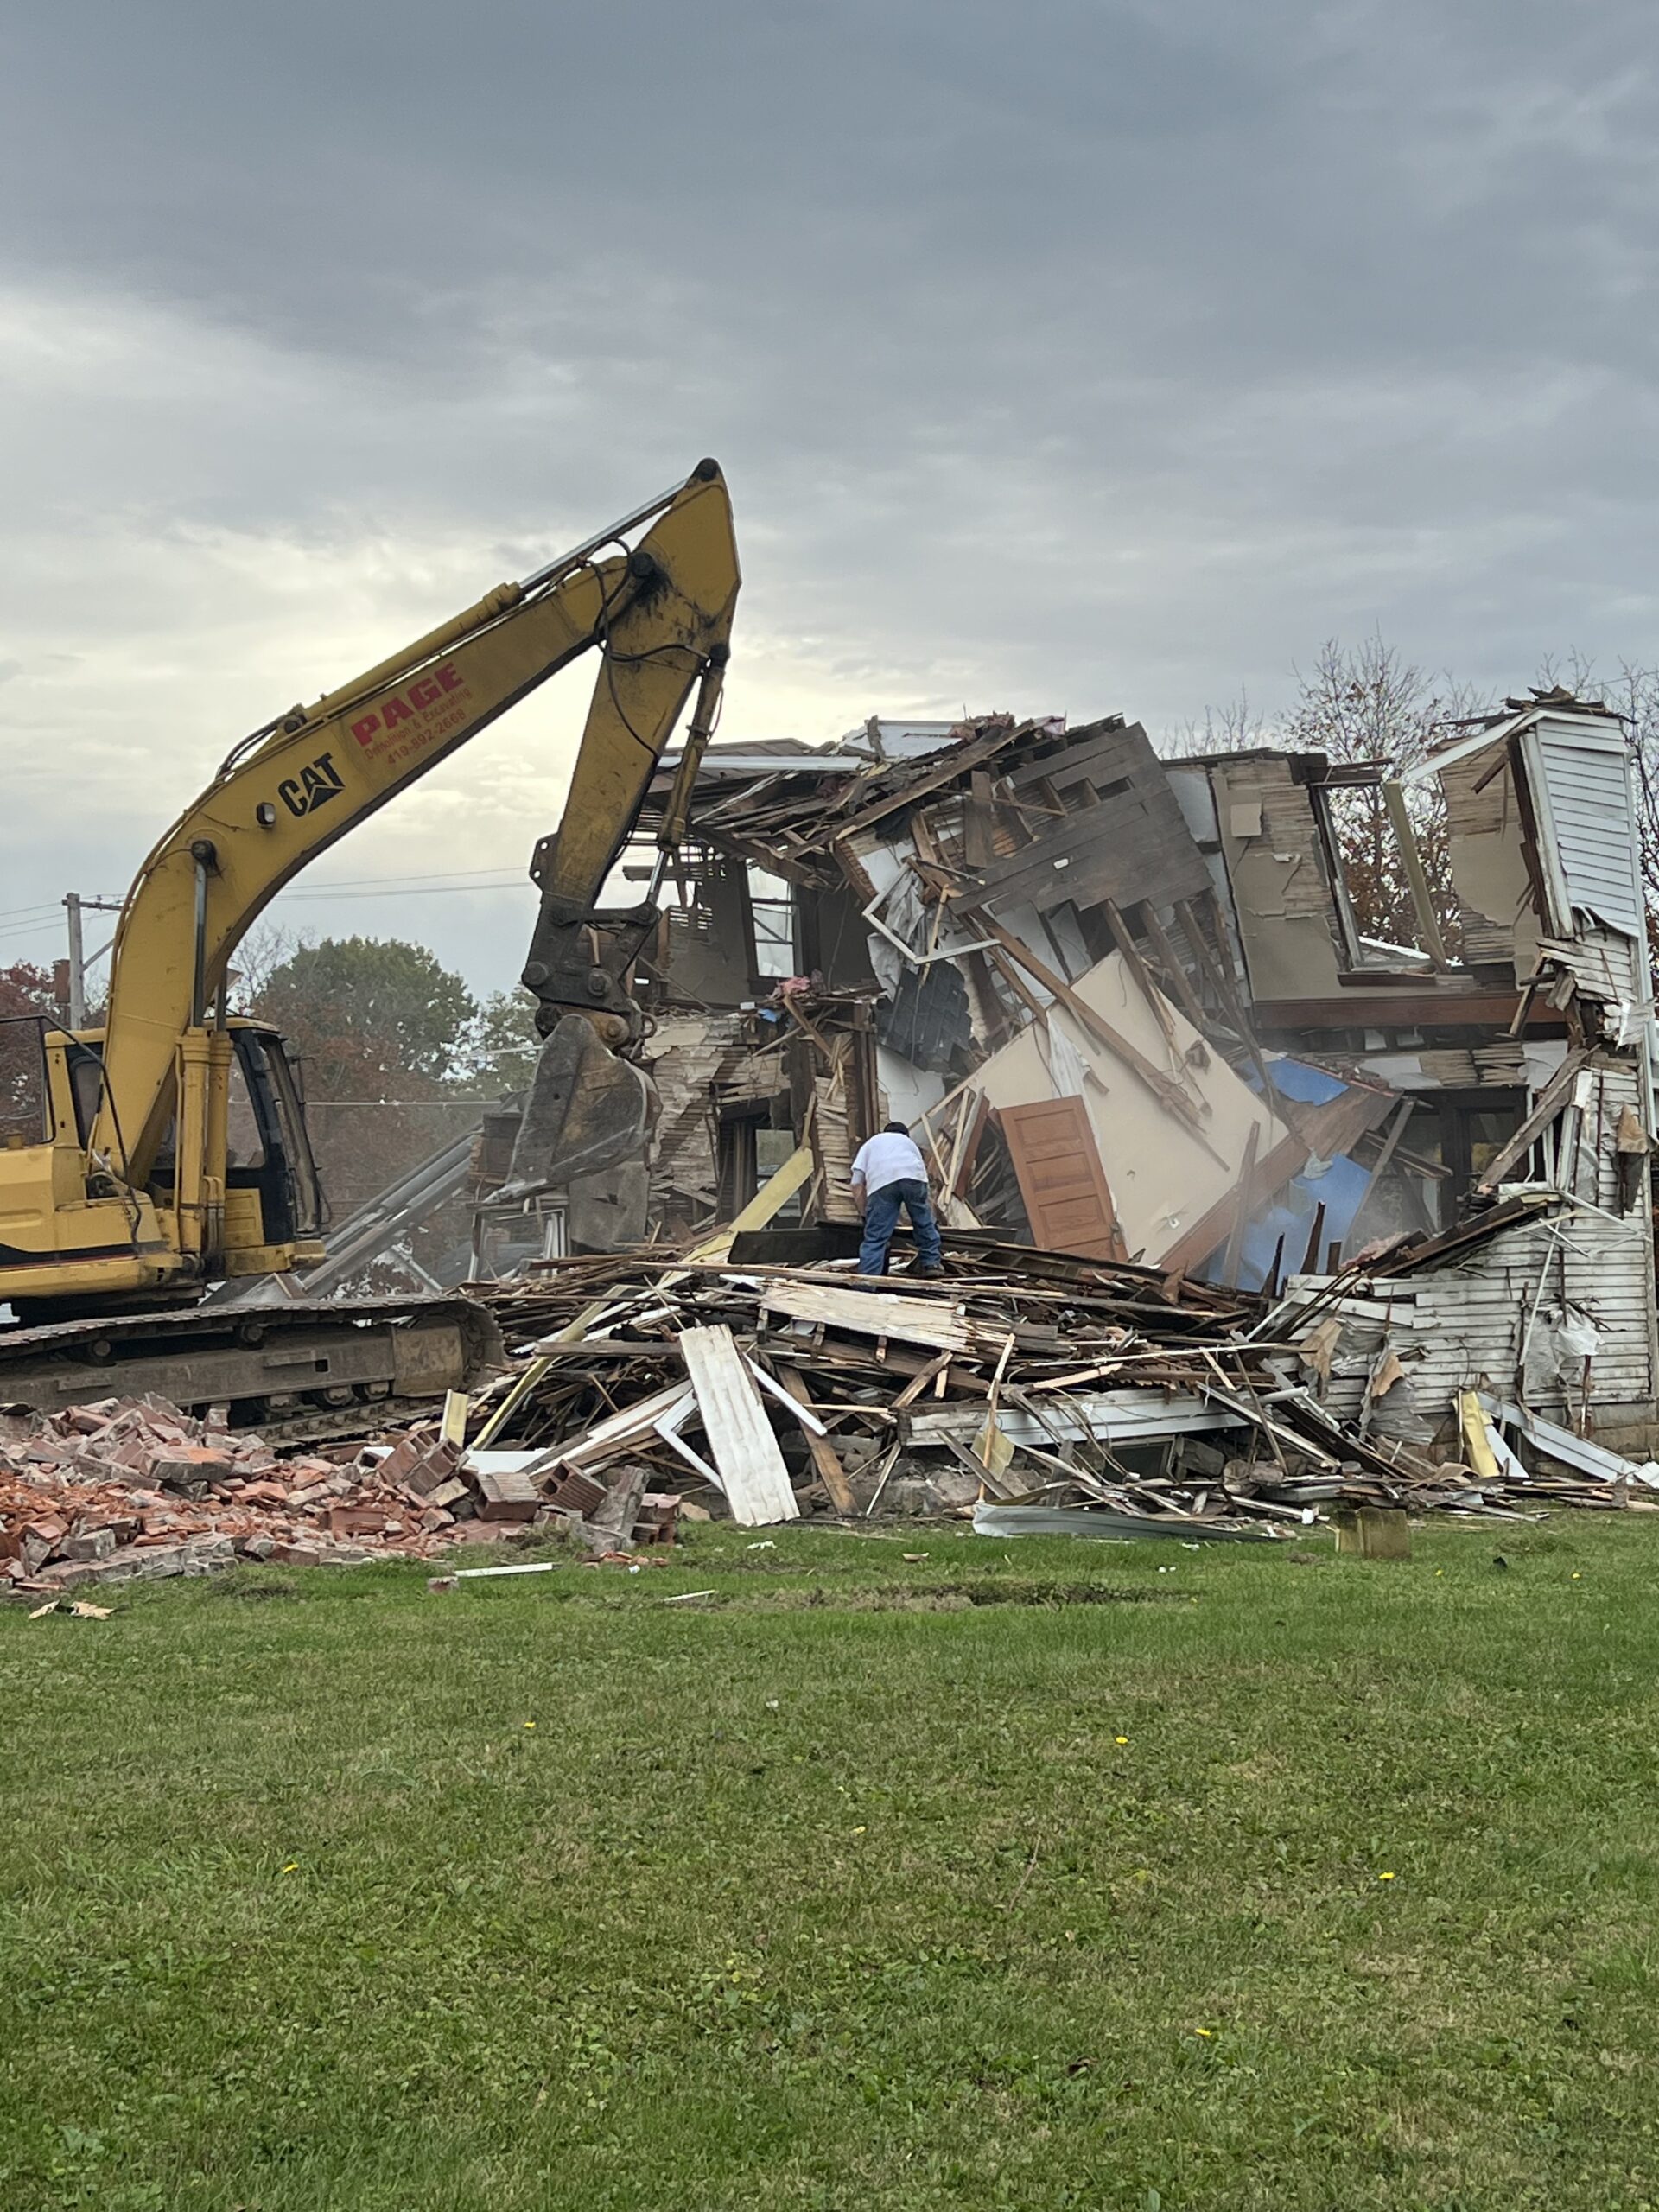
<point>131,1202</point>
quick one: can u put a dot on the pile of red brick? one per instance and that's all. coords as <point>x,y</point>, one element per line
<point>132,1488</point>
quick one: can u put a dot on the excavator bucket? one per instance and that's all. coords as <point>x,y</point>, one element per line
<point>586,1120</point>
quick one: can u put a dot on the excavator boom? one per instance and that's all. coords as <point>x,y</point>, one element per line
<point>660,616</point>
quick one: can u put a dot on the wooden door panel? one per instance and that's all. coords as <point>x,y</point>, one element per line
<point>1068,1200</point>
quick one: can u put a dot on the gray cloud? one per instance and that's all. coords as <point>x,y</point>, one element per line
<point>1073,356</point>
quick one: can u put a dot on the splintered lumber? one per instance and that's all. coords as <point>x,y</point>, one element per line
<point>874,1313</point>
<point>624,1430</point>
<point>752,1470</point>
<point>1113,1416</point>
<point>826,1465</point>
<point>776,1191</point>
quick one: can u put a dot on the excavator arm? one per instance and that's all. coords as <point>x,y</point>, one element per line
<point>660,617</point>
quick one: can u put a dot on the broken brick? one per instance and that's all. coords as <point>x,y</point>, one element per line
<point>506,1496</point>
<point>188,1467</point>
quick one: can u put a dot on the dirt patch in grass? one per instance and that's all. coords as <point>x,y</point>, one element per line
<point>951,1598</point>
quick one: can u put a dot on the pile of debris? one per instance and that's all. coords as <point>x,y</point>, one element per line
<point>1235,1017</point>
<point>133,1489</point>
<point>1038,1392</point>
<point>1155,1404</point>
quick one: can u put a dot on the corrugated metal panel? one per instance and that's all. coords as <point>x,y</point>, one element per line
<point>1586,780</point>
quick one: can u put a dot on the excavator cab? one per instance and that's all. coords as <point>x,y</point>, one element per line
<point>269,1147</point>
<point>272,1196</point>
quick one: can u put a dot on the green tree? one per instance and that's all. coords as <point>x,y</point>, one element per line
<point>370,1017</point>
<point>504,1044</point>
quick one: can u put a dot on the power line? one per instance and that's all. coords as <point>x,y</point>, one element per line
<point>31,929</point>
<point>350,882</point>
<point>417,889</point>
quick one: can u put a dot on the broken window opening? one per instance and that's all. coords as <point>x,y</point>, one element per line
<point>772,912</point>
<point>22,1079</point>
<point>1461,1131</point>
<point>1387,850</point>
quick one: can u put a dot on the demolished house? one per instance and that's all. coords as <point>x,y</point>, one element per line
<point>1133,1010</point>
<point>1291,1124</point>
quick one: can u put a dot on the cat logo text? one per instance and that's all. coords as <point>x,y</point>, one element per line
<point>315,784</point>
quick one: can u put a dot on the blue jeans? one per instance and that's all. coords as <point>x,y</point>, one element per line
<point>881,1218</point>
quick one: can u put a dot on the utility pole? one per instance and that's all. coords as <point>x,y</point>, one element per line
<point>75,906</point>
<point>77,962</point>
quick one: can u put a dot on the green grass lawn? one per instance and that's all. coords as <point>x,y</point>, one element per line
<point>1043,1874</point>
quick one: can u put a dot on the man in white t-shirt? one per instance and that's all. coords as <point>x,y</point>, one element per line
<point>890,1175</point>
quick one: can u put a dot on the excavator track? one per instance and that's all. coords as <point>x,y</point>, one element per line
<point>296,1372</point>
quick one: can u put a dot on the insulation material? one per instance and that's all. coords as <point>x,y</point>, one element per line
<point>1162,1177</point>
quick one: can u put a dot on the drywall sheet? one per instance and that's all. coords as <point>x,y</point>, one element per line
<point>1162,1178</point>
<point>1495,901</point>
<point>1281,892</point>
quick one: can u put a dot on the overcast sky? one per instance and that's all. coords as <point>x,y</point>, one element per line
<point>1061,357</point>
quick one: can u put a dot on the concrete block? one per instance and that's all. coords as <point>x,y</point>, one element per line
<point>96,1544</point>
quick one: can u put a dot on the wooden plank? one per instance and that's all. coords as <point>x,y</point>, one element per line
<point>968,1146</point>
<point>1105,756</point>
<point>773,1194</point>
<point>1550,1101</point>
<point>1394,798</point>
<point>1409,1007</point>
<point>978,821</point>
<point>1129,952</point>
<point>1129,842</point>
<point>752,1470</point>
<point>509,1405</point>
<point>1241,1213</point>
<point>935,1321</point>
<point>1069,1201</point>
<point>1180,982</point>
<point>958,759</point>
<point>826,1464</point>
<point>1385,1153</point>
<point>620,1432</point>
